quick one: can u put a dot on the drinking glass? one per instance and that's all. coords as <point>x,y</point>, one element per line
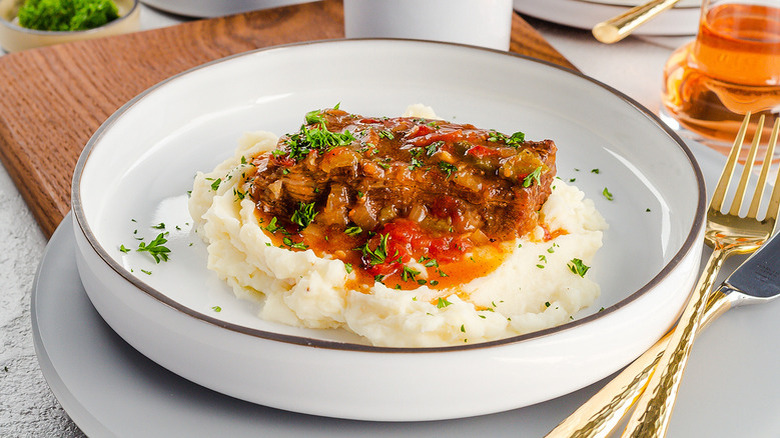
<point>732,67</point>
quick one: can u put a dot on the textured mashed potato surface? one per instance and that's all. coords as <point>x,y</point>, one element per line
<point>533,289</point>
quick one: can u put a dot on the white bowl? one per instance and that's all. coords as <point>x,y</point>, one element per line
<point>137,168</point>
<point>14,38</point>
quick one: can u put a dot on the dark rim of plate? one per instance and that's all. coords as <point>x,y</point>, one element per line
<point>81,220</point>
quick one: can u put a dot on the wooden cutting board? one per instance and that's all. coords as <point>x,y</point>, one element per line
<point>53,99</point>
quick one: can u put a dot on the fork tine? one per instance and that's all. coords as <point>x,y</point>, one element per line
<point>774,202</point>
<point>739,195</point>
<point>725,177</point>
<point>768,157</point>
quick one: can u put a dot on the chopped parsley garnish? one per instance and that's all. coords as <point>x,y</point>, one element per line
<point>216,309</point>
<point>353,231</point>
<point>378,255</point>
<point>297,146</point>
<point>146,272</point>
<point>160,226</point>
<point>272,227</point>
<point>409,274</point>
<point>513,140</point>
<point>156,248</point>
<point>442,303</point>
<point>516,139</point>
<point>348,267</point>
<point>386,134</point>
<point>596,171</point>
<point>607,194</point>
<point>123,249</point>
<point>304,215</point>
<point>433,148</point>
<point>313,117</point>
<point>294,245</point>
<point>533,176</point>
<point>546,304</point>
<point>215,183</point>
<point>576,266</point>
<point>447,168</point>
<point>429,263</point>
<point>414,163</point>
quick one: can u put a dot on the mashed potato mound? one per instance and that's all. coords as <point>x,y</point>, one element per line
<point>533,289</point>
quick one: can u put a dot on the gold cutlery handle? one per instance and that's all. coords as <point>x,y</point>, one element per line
<point>655,405</point>
<point>601,413</point>
<point>619,27</point>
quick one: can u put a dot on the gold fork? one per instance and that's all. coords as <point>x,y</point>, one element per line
<point>727,234</point>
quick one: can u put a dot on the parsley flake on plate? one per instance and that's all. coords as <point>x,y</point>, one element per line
<point>156,248</point>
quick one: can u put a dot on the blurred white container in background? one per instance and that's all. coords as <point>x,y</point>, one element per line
<point>486,23</point>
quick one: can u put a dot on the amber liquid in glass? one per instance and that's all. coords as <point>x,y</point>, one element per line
<point>732,67</point>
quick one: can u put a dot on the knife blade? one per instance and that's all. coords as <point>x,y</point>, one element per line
<point>758,278</point>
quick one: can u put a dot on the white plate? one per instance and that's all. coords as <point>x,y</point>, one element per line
<point>216,8</point>
<point>105,385</point>
<point>586,14</point>
<point>631,3</point>
<point>140,164</point>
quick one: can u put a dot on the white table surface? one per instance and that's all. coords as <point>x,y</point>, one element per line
<point>27,405</point>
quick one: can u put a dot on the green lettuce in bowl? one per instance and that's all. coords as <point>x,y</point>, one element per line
<point>66,15</point>
<point>29,24</point>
